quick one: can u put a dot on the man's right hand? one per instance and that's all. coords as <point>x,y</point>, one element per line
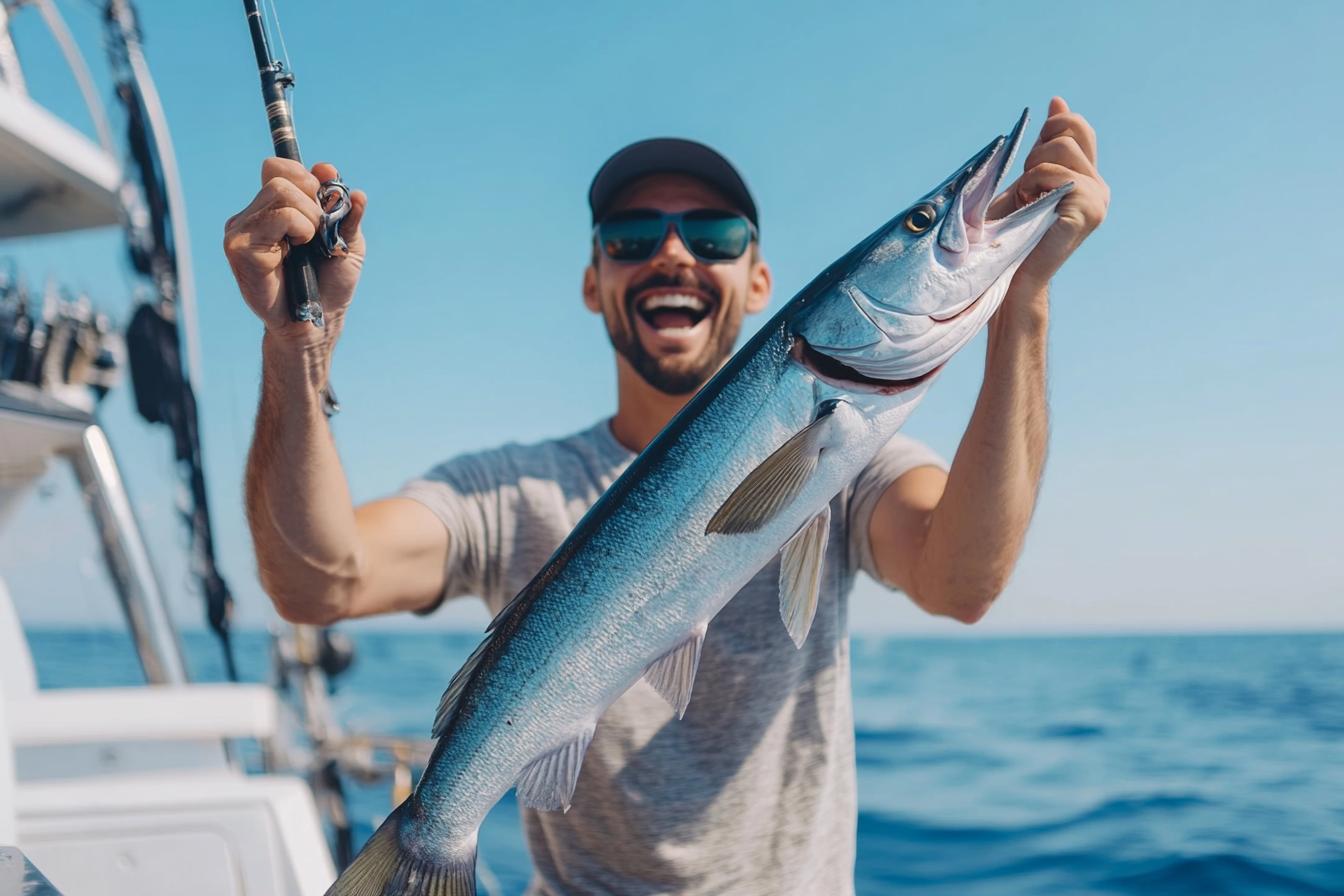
<point>257,239</point>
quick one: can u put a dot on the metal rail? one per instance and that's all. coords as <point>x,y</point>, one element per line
<point>128,561</point>
<point>75,59</point>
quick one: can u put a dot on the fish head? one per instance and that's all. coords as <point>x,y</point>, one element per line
<point>903,301</point>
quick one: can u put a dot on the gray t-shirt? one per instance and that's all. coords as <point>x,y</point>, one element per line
<point>753,792</point>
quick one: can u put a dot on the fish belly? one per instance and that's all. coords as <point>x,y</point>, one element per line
<point>644,580</point>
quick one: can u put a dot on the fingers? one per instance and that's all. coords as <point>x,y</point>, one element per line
<point>1061,155</point>
<point>262,239</point>
<point>1041,179</point>
<point>298,228</point>
<point>282,209</point>
<point>255,238</point>
<point>325,171</point>
<point>1064,150</point>
<point>1064,123</point>
<point>294,172</point>
<point>1086,204</point>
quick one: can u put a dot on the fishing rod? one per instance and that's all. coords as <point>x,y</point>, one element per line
<point>334,196</point>
<point>309,659</point>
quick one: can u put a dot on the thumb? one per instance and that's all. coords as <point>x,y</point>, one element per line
<point>1057,106</point>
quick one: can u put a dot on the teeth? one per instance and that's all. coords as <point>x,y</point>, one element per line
<point>690,303</point>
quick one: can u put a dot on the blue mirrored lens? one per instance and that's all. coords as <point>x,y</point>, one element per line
<point>632,236</point>
<point>715,236</point>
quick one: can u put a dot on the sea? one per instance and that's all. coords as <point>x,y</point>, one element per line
<point>1070,765</point>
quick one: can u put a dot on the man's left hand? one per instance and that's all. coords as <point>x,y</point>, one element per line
<point>1065,151</point>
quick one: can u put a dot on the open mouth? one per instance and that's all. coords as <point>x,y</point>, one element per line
<point>673,312</point>
<point>842,376</point>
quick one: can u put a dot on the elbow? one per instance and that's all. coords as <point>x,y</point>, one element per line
<point>304,613</point>
<point>306,605</point>
<point>969,612</point>
<point>967,605</point>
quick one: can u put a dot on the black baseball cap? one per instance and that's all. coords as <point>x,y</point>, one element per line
<point>664,154</point>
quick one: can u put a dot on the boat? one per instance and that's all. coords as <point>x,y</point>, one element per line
<point>143,790</point>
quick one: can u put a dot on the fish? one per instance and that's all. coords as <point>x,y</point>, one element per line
<point>745,471</point>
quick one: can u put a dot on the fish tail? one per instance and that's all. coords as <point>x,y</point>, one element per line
<point>383,868</point>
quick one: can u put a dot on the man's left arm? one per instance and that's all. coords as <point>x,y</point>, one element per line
<point>950,540</point>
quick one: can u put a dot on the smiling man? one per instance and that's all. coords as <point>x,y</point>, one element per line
<point>754,790</point>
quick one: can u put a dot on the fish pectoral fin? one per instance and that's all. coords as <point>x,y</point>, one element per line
<point>673,673</point>
<point>800,571</point>
<point>548,781</point>
<point>773,485</point>
<point>452,697</point>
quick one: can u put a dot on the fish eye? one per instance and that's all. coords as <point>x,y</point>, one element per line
<point>921,218</point>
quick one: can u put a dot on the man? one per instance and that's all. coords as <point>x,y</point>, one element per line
<point>753,791</point>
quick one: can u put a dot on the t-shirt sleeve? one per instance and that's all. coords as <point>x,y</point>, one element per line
<point>898,457</point>
<point>464,493</point>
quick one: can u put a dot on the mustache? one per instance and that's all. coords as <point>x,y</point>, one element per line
<point>686,278</point>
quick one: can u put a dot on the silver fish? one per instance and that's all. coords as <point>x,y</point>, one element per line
<point>747,468</point>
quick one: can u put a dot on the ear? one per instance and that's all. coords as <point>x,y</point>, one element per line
<point>758,288</point>
<point>592,300</point>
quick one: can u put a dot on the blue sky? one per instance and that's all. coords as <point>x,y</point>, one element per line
<point>1196,374</point>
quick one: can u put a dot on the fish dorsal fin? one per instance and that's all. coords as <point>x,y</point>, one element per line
<point>773,485</point>
<point>453,696</point>
<point>548,781</point>
<point>673,673</point>
<point>800,575</point>
<point>509,609</point>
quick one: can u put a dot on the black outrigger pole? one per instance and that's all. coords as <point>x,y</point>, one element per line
<point>163,389</point>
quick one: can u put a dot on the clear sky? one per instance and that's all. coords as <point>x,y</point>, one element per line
<point>1197,385</point>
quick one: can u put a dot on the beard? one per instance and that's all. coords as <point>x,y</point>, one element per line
<point>675,374</point>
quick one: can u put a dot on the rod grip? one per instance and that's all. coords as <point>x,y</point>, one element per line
<point>301,283</point>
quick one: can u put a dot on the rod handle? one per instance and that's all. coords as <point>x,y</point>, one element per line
<point>301,284</point>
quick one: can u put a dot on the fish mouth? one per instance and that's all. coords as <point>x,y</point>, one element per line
<point>967,229</point>
<point>975,188</point>
<point>842,376</point>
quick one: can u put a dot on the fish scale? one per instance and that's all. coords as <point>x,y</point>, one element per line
<point>747,468</point>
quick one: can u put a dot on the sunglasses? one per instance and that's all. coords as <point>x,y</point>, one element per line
<point>711,235</point>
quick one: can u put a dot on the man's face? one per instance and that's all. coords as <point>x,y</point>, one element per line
<point>676,345</point>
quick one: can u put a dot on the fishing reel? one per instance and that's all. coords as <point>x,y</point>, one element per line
<point>334,198</point>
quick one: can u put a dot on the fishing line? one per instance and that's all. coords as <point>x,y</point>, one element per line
<point>284,51</point>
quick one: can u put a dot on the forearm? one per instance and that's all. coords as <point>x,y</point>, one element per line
<point>976,531</point>
<point>298,503</point>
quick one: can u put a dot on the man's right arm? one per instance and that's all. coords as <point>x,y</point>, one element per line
<point>320,559</point>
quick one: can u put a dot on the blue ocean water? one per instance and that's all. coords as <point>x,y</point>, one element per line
<point>1144,765</point>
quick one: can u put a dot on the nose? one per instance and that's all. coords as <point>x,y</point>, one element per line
<point>673,252</point>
